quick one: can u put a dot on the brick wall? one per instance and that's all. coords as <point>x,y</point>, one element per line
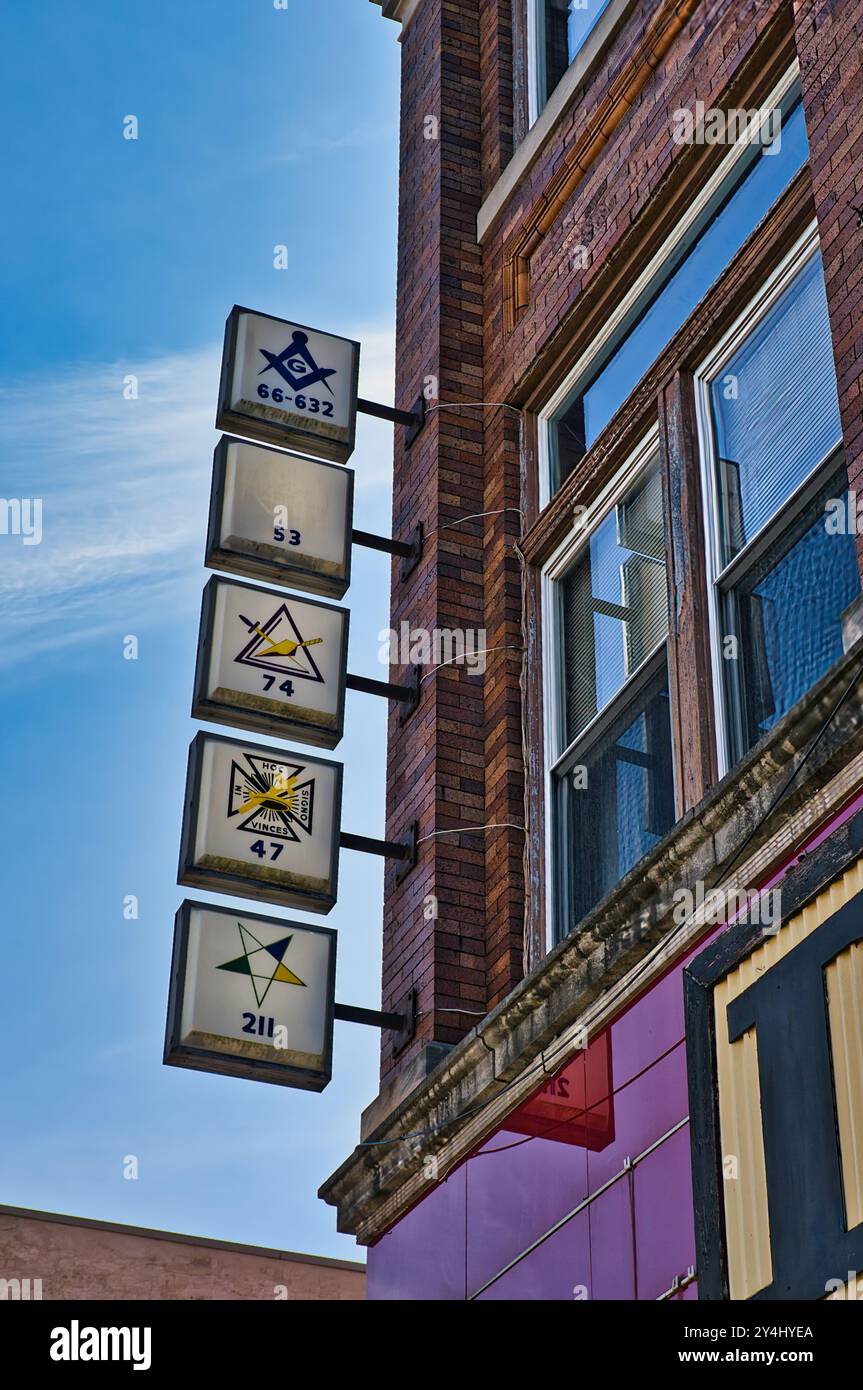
<point>618,187</point>
<point>436,760</point>
<point>459,760</point>
<point>78,1259</point>
<point>829,37</point>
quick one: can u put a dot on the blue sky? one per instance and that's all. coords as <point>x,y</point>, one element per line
<point>257,127</point>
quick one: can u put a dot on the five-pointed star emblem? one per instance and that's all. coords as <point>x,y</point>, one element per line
<point>263,964</point>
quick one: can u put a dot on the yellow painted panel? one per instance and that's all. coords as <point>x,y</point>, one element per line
<point>746,1216</point>
<point>744,1177</point>
<point>845,1004</point>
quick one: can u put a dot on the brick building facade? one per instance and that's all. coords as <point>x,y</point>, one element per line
<point>643,352</point>
<point>58,1258</point>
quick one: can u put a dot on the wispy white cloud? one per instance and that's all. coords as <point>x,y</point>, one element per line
<point>357,137</point>
<point>124,487</point>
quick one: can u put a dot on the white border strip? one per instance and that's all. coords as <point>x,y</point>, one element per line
<point>802,251</point>
<point>552,684</point>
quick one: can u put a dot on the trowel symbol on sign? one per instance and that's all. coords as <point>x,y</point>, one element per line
<point>278,645</point>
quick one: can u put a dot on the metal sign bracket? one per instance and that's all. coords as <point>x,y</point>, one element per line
<point>410,551</point>
<point>408,694</point>
<point>413,419</point>
<point>405,851</point>
<point>401,1022</point>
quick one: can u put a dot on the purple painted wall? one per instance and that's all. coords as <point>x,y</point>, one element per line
<point>630,1242</point>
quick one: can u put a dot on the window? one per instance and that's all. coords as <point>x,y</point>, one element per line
<point>781,574</point>
<point>613,788</point>
<point>672,291</point>
<point>559,29</point>
<point>782,564</point>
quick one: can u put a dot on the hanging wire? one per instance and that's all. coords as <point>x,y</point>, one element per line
<point>458,405</point>
<point>474,1013</point>
<point>453,660</point>
<point>474,516</point>
<point>471,830</point>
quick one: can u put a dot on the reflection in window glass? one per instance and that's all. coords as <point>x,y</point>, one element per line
<point>562,27</point>
<point>702,255</point>
<point>787,615</point>
<point>618,802</point>
<point>615,602</point>
<point>614,785</point>
<point>775,410</point>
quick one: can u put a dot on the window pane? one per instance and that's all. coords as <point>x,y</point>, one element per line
<point>787,614</point>
<point>619,802</point>
<point>615,602</point>
<point>699,260</point>
<point>564,25</point>
<point>775,410</point>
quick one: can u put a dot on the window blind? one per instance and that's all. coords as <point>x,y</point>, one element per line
<point>775,409</point>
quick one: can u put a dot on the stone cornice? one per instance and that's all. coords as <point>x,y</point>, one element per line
<point>400,10</point>
<point>628,940</point>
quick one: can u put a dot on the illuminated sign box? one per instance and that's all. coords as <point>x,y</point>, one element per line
<point>288,384</point>
<point>281,518</point>
<point>251,996</point>
<point>261,823</point>
<point>575,1106</point>
<point>272,663</point>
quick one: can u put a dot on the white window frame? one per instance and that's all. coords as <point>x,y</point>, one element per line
<point>535,62</point>
<point>536,56</point>
<point>625,308</point>
<point>552,572</point>
<point>805,248</point>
